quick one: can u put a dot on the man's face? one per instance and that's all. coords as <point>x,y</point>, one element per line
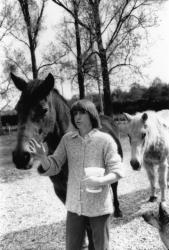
<point>82,119</point>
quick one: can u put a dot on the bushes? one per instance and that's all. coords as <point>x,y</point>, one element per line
<point>138,106</point>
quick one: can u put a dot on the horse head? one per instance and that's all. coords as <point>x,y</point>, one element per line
<point>36,116</point>
<point>136,129</point>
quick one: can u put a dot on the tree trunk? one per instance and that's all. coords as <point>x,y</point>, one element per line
<point>31,37</point>
<point>106,83</point>
<point>1,128</point>
<point>103,59</point>
<point>33,60</point>
<point>79,55</point>
<point>99,87</point>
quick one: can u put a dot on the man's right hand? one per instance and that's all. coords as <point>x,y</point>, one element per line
<point>36,149</point>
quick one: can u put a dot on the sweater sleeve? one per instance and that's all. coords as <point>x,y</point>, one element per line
<point>113,160</point>
<point>52,164</point>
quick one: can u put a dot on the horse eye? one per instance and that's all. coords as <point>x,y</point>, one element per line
<point>129,138</point>
<point>39,114</point>
<point>43,111</point>
<point>40,131</point>
<point>143,135</point>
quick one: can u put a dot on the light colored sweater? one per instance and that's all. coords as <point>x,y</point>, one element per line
<point>96,149</point>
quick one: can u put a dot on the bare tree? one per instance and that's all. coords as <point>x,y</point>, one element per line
<point>115,27</point>
<point>73,8</point>
<point>6,25</point>
<point>77,35</point>
<point>27,17</point>
<point>76,5</point>
<point>33,24</point>
<point>23,24</point>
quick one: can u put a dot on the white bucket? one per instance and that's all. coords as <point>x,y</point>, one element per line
<point>94,171</point>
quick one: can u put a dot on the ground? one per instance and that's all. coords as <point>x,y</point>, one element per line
<point>32,217</point>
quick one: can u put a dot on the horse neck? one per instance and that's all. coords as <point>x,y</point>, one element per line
<point>155,133</point>
<point>61,125</point>
<point>62,113</point>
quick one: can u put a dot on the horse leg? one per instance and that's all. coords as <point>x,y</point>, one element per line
<point>151,173</point>
<point>117,211</point>
<point>163,174</point>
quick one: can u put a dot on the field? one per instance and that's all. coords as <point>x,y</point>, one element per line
<point>32,217</point>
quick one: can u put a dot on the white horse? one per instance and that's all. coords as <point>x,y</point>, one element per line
<point>149,139</point>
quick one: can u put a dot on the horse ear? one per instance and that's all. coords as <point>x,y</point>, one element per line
<point>46,86</point>
<point>144,117</point>
<point>19,82</point>
<point>128,117</point>
<point>49,81</point>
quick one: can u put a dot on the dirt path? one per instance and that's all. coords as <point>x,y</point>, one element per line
<point>32,217</point>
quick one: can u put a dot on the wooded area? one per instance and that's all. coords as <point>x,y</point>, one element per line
<point>137,99</point>
<point>95,41</point>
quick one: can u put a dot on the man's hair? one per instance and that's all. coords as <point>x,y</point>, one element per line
<point>90,108</point>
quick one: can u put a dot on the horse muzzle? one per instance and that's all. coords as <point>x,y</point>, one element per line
<point>135,164</point>
<point>22,160</point>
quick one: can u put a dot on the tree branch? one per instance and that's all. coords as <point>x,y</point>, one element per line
<point>39,22</point>
<point>50,63</point>
<point>18,66</point>
<point>59,3</point>
<point>120,22</point>
<point>19,39</point>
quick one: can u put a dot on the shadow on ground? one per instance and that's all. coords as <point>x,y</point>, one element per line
<point>53,236</point>
<point>133,205</point>
<point>43,237</point>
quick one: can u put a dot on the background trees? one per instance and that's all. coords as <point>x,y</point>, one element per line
<point>114,28</point>
<point>98,39</point>
<point>28,18</point>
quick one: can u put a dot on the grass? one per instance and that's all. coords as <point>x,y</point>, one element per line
<point>32,217</point>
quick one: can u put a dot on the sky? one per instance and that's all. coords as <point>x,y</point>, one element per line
<point>159,51</point>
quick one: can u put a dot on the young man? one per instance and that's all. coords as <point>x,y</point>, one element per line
<point>86,146</point>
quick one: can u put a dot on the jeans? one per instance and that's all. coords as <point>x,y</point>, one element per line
<point>98,231</point>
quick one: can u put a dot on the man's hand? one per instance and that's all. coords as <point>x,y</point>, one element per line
<point>93,181</point>
<point>36,149</point>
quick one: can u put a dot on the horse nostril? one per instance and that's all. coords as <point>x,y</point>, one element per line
<point>26,156</point>
<point>132,162</point>
<point>21,159</point>
<point>135,164</point>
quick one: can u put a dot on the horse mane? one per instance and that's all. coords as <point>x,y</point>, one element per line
<point>63,111</point>
<point>156,127</point>
<point>56,91</point>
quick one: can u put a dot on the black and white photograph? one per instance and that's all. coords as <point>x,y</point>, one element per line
<point>84,125</point>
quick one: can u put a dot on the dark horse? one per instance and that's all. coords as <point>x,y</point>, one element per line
<point>43,114</point>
